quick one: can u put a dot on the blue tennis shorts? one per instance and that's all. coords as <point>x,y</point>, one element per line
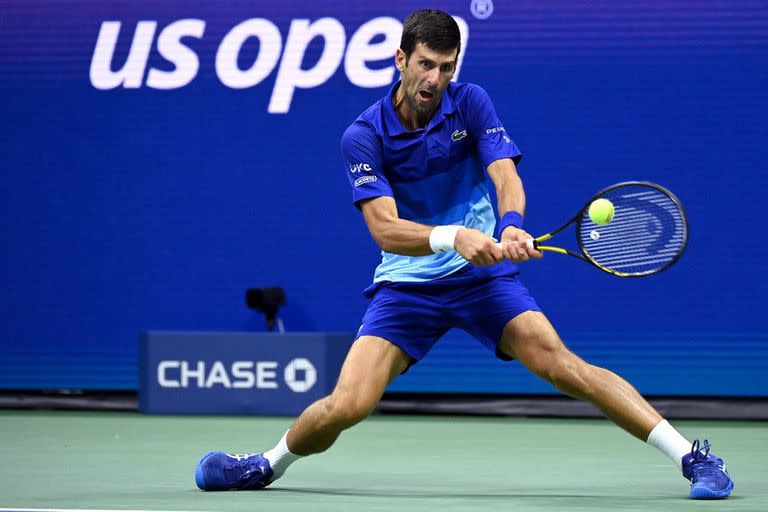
<point>414,316</point>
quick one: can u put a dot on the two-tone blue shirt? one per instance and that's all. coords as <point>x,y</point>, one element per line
<point>437,174</point>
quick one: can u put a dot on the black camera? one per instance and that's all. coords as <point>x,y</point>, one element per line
<point>267,301</point>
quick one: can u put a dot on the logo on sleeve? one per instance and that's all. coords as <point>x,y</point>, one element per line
<point>365,179</point>
<point>458,135</point>
<point>355,168</point>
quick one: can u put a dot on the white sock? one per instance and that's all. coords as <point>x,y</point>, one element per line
<point>670,441</point>
<point>280,457</point>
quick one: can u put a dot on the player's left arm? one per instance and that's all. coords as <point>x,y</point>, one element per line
<point>511,196</point>
<point>498,153</point>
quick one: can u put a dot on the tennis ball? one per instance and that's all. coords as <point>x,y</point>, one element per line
<point>601,211</point>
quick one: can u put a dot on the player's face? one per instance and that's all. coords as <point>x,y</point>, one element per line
<point>426,74</point>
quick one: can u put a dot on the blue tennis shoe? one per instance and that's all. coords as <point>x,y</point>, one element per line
<point>218,471</point>
<point>708,475</point>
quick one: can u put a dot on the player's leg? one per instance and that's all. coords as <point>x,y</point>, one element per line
<point>530,338</point>
<point>400,326</point>
<point>372,363</point>
<point>369,367</point>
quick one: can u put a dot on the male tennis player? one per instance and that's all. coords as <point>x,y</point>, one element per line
<point>416,160</point>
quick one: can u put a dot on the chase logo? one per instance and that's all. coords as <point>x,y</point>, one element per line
<point>355,168</point>
<point>299,375</point>
<point>458,135</point>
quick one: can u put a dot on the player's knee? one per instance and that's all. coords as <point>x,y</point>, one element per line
<point>348,409</point>
<point>543,358</point>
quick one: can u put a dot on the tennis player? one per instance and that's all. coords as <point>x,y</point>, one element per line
<point>417,161</point>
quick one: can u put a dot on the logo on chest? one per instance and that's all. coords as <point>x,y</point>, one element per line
<point>458,135</point>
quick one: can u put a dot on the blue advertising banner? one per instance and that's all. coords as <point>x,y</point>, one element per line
<point>238,373</point>
<point>158,158</point>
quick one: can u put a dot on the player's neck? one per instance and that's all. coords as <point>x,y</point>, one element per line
<point>410,119</point>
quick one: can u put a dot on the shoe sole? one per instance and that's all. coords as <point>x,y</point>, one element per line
<point>705,493</point>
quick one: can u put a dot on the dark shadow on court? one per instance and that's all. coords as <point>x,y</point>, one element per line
<point>440,494</point>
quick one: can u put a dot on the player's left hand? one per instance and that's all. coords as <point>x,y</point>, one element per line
<point>514,245</point>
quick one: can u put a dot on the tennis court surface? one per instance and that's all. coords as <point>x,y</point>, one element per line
<point>127,461</point>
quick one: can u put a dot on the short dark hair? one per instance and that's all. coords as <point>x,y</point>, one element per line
<point>435,29</point>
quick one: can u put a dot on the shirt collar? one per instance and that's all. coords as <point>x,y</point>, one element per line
<point>393,125</point>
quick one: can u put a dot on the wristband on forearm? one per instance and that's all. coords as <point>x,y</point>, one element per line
<point>511,218</point>
<point>442,238</point>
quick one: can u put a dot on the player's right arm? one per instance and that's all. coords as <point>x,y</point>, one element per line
<point>372,193</point>
<point>400,236</point>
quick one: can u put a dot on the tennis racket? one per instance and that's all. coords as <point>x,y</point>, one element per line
<point>648,232</point>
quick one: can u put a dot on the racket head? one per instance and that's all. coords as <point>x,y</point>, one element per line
<point>647,235</point>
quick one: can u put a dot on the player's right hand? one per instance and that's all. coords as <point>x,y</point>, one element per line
<point>477,248</point>
<point>514,242</point>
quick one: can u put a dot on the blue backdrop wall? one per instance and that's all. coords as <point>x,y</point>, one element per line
<point>158,158</point>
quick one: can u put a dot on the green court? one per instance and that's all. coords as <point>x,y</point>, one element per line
<point>98,460</point>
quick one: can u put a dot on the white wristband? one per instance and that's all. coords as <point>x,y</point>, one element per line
<point>442,238</point>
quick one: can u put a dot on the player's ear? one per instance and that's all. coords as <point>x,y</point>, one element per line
<point>401,59</point>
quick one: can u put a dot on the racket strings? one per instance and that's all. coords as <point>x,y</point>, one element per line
<point>647,233</point>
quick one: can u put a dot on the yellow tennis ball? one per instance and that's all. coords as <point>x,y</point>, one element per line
<point>601,211</point>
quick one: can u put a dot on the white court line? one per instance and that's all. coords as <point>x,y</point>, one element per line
<point>14,509</point>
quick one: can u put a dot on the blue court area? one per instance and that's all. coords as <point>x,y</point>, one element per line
<point>126,461</point>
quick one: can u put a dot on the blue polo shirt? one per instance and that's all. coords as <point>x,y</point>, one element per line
<point>437,174</point>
